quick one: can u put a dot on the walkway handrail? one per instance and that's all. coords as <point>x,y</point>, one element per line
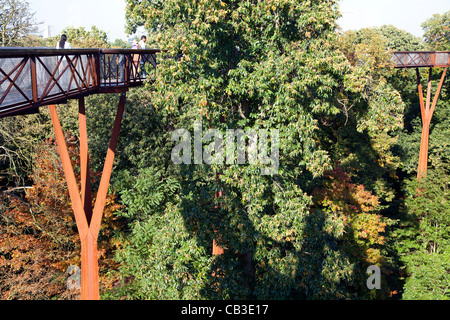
<point>34,77</point>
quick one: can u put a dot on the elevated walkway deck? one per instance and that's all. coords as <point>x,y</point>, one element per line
<point>34,77</point>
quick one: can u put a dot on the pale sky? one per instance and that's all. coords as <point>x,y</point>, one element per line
<point>109,15</point>
<point>403,14</point>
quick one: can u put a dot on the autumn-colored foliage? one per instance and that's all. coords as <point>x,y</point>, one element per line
<point>356,208</point>
<point>38,238</point>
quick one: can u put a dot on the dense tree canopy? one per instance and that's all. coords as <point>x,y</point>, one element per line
<point>273,65</point>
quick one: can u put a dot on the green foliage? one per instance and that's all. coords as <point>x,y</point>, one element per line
<point>437,32</point>
<point>400,40</point>
<point>19,137</point>
<point>149,191</point>
<point>119,43</point>
<point>373,110</point>
<point>159,241</point>
<point>260,65</point>
<point>81,38</point>
<point>17,23</point>
<point>425,238</point>
<point>429,277</point>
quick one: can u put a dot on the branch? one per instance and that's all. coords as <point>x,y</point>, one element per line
<point>16,188</point>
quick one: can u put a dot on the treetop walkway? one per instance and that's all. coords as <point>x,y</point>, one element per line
<point>421,59</point>
<point>430,60</point>
<point>34,77</point>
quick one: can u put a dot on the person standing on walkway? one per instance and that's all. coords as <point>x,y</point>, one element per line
<point>64,78</point>
<point>142,42</point>
<point>63,44</point>
<point>142,46</point>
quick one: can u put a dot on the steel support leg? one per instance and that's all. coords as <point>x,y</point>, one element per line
<point>72,184</point>
<point>107,169</point>
<point>88,221</point>
<point>89,268</point>
<point>86,194</point>
<point>427,111</point>
<point>217,250</point>
<point>89,262</point>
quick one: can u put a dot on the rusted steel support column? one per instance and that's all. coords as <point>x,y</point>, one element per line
<point>89,268</point>
<point>217,250</point>
<point>89,261</point>
<point>86,194</point>
<point>107,169</point>
<point>88,221</point>
<point>419,87</point>
<point>72,185</point>
<point>423,155</point>
<point>427,111</point>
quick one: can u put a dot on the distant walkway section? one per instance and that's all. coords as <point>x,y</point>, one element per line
<point>421,59</point>
<point>34,77</point>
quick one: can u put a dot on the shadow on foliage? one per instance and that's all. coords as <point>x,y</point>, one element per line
<point>259,267</point>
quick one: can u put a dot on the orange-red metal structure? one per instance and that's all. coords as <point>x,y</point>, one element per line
<point>31,78</point>
<point>430,60</point>
<point>216,249</point>
<point>421,59</point>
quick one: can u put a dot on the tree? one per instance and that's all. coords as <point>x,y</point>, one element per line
<point>19,137</point>
<point>400,40</point>
<point>361,225</point>
<point>255,65</point>
<point>38,238</point>
<point>82,38</point>
<point>119,43</point>
<point>437,32</point>
<point>368,51</point>
<point>16,22</point>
